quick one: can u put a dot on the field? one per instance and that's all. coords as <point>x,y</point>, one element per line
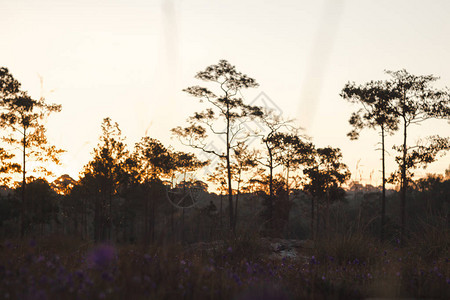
<point>345,267</point>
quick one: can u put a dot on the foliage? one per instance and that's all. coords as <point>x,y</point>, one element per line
<point>224,118</point>
<point>327,173</point>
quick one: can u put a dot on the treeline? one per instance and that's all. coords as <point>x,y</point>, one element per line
<point>145,194</point>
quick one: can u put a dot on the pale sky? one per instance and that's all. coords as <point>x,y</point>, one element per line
<point>130,59</point>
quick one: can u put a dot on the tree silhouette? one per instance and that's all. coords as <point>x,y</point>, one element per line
<point>416,100</point>
<point>293,151</point>
<point>326,175</point>
<point>270,159</point>
<point>227,109</point>
<point>156,163</point>
<point>377,112</point>
<point>63,184</point>
<point>104,175</point>
<point>23,116</point>
<point>43,204</point>
<point>9,87</point>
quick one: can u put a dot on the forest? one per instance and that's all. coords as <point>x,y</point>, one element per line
<point>250,208</point>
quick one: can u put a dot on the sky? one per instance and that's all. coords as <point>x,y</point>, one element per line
<point>130,59</point>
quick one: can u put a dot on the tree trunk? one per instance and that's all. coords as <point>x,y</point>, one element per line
<point>230,190</point>
<point>312,218</point>
<point>270,206</point>
<point>23,210</point>
<point>221,206</point>
<point>236,210</point>
<point>318,212</point>
<point>383,192</point>
<point>404,185</point>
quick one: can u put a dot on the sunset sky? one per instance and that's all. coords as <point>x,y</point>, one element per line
<point>130,59</point>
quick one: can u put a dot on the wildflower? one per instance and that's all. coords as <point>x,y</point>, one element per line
<point>229,249</point>
<point>323,277</point>
<point>313,260</point>
<point>102,256</point>
<point>183,262</point>
<point>147,257</point>
<point>237,279</point>
<point>448,280</point>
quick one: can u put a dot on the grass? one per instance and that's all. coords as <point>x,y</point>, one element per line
<point>342,267</point>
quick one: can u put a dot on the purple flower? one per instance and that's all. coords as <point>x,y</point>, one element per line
<point>79,274</point>
<point>236,278</point>
<point>147,257</point>
<point>229,249</point>
<point>102,256</point>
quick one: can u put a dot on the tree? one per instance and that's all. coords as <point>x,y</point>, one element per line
<point>243,160</point>
<point>104,175</point>
<point>377,112</point>
<point>227,107</point>
<point>43,202</point>
<point>326,175</point>
<point>155,163</point>
<point>63,184</point>
<point>23,116</point>
<point>293,151</point>
<point>275,125</point>
<point>9,87</point>
<point>416,100</point>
